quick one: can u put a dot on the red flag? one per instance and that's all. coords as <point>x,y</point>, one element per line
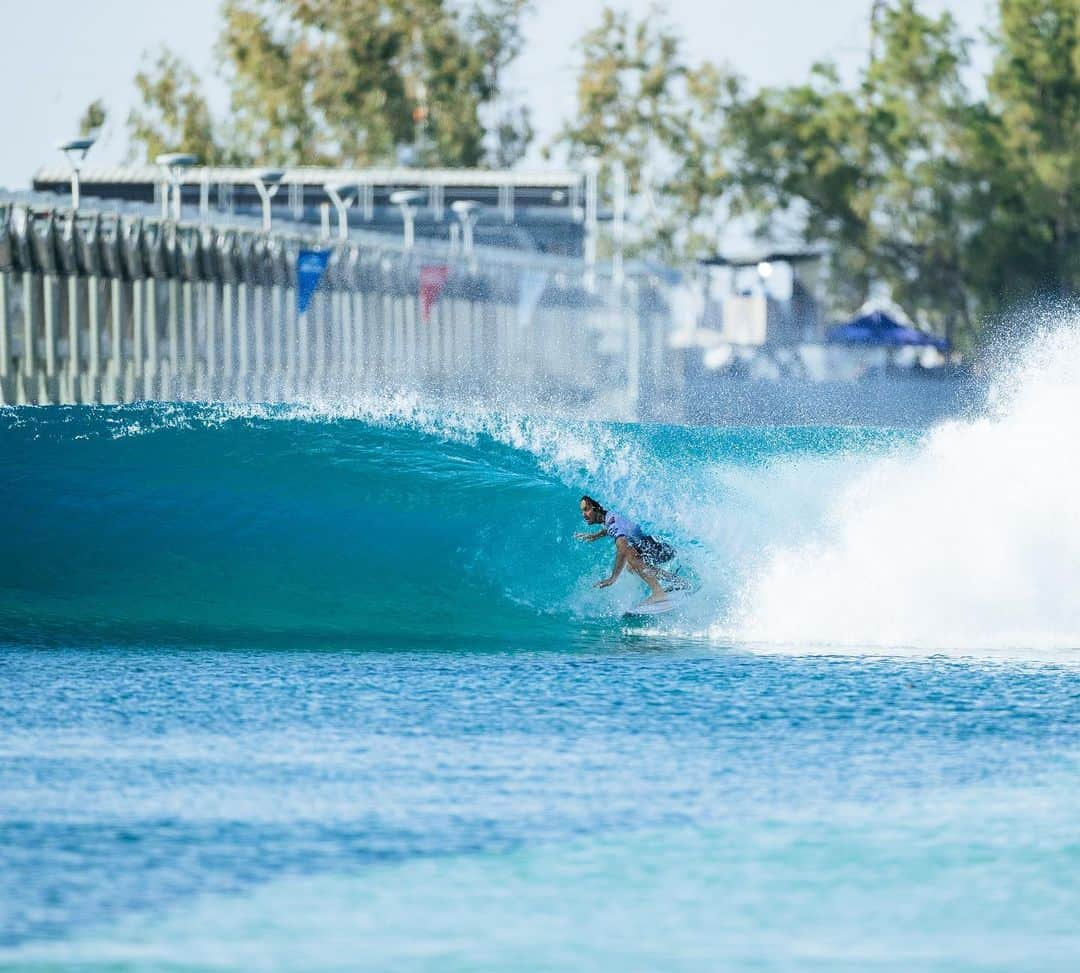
<point>433,278</point>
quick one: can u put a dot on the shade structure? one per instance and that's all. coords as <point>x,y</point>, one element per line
<point>877,328</point>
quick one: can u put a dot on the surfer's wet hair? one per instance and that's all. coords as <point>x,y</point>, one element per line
<point>591,503</point>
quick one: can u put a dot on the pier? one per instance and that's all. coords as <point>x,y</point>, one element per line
<point>117,303</point>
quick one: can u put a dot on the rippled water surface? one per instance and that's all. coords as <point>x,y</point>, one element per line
<point>289,689</point>
<point>619,805</point>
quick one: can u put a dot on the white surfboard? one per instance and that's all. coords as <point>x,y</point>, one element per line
<point>675,599</point>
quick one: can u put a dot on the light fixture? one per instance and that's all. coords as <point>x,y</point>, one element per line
<point>341,205</point>
<point>267,182</point>
<point>75,150</point>
<point>174,163</point>
<point>466,212</point>
<point>405,199</point>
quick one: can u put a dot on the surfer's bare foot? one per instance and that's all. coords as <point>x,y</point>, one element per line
<point>655,598</point>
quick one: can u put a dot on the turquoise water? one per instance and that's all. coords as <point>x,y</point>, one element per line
<point>315,689</point>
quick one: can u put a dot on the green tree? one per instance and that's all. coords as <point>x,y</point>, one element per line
<point>1035,99</point>
<point>961,204</point>
<point>346,82</point>
<point>93,118</point>
<point>173,114</point>
<point>877,174</point>
<point>496,29</point>
<point>641,105</point>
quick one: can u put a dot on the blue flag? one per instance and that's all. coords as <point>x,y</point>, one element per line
<point>310,266</point>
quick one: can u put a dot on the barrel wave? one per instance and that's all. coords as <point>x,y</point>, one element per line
<point>397,523</point>
<point>189,523</point>
<point>380,522</point>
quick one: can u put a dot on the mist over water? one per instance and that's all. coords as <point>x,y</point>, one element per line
<point>968,539</point>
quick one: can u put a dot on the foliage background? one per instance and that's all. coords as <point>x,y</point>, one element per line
<point>960,198</point>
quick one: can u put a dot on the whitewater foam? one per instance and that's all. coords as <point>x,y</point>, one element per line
<point>970,540</point>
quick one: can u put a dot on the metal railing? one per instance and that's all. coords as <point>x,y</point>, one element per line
<point>116,304</point>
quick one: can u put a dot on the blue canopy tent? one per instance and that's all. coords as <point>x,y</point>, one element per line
<point>877,328</point>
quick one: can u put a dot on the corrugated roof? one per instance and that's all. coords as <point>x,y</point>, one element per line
<point>318,176</point>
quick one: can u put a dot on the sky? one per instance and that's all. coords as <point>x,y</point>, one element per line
<point>59,55</point>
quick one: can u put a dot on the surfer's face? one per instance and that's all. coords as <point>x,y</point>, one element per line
<point>590,513</point>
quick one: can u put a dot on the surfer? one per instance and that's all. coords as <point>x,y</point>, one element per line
<point>634,549</point>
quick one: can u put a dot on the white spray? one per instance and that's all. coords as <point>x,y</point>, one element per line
<point>969,541</point>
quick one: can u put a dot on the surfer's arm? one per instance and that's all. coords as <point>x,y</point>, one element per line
<point>591,537</point>
<point>620,561</point>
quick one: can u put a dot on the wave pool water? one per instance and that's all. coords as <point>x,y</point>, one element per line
<point>327,687</point>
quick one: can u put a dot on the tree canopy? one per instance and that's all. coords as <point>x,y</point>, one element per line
<point>961,198</point>
<point>346,82</point>
<point>961,201</point>
<point>641,105</point>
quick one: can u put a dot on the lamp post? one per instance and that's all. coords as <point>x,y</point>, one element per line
<point>405,198</point>
<point>174,163</point>
<point>267,183</point>
<point>204,195</point>
<point>75,150</point>
<point>341,205</point>
<point>466,212</point>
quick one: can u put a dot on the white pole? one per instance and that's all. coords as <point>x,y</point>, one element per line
<point>432,341</point>
<point>227,311</point>
<point>137,352</point>
<point>264,196</point>
<point>412,344</point>
<point>29,313</point>
<point>303,365</point>
<point>399,338</point>
<point>258,324</point>
<point>387,336</point>
<point>275,328</point>
<point>93,314</point>
<point>211,335</point>
<point>116,350</point>
<point>293,323</point>
<point>74,320</point>
<point>50,284</point>
<point>322,322</point>
<point>344,333</point>
<point>174,325</point>
<point>277,338</point>
<point>358,361</point>
<point>187,289</point>
<point>243,331</point>
<point>150,367</point>
<point>5,346</point>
